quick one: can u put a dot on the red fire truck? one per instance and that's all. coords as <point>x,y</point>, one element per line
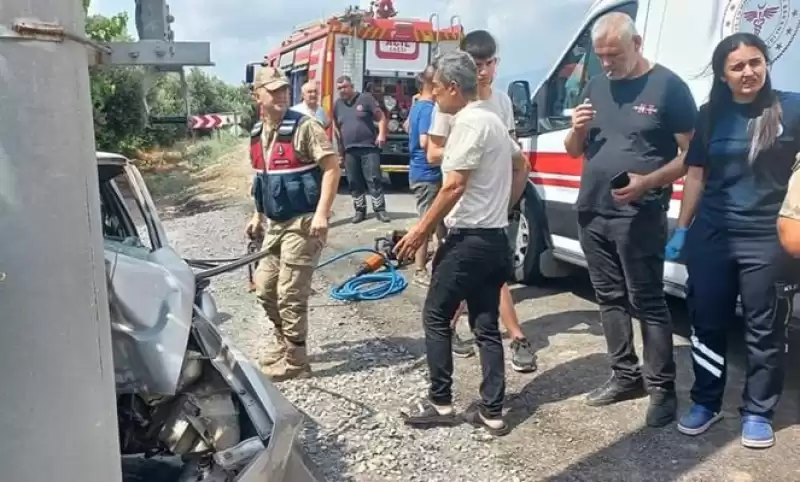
<point>381,55</point>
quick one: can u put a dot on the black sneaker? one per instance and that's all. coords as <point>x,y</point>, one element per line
<point>382,216</point>
<point>462,348</point>
<point>523,358</point>
<point>358,217</point>
<point>495,426</point>
<point>613,391</point>
<point>424,414</point>
<point>662,409</point>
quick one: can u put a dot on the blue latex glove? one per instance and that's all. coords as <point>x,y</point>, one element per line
<point>673,249</point>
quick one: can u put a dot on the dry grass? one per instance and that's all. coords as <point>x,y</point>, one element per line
<point>198,177</point>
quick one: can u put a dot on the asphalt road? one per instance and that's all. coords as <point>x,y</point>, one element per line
<point>556,436</point>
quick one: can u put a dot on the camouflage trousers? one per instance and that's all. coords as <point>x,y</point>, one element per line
<point>283,277</point>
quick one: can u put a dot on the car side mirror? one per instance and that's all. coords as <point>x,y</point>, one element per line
<point>525,111</point>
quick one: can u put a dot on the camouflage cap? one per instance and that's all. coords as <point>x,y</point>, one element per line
<point>270,78</point>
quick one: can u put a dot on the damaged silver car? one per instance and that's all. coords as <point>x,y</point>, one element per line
<point>190,406</point>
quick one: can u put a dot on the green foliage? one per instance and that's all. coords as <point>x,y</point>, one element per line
<point>120,116</point>
<point>182,181</point>
<point>207,153</point>
<point>108,29</point>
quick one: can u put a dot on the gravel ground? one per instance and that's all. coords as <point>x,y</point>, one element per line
<point>353,431</point>
<point>368,362</point>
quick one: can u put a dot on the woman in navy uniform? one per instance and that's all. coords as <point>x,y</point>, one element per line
<point>739,164</point>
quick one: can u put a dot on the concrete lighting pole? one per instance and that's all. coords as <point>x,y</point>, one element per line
<point>57,402</point>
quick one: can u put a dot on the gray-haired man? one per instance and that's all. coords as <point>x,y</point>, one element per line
<point>638,118</point>
<point>475,260</point>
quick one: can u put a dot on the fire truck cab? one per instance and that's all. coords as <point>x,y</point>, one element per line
<point>381,56</point>
<point>679,34</point>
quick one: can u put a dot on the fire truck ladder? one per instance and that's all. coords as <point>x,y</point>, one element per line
<point>305,26</point>
<point>354,17</point>
<point>455,21</point>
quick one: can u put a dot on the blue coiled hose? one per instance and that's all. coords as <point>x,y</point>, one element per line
<point>370,286</point>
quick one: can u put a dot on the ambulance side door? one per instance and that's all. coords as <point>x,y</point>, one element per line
<point>556,175</point>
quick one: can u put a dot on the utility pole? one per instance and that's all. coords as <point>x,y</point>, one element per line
<point>57,402</point>
<point>159,53</point>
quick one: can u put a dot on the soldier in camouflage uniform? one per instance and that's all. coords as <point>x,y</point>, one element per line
<point>295,185</point>
<point>789,215</point>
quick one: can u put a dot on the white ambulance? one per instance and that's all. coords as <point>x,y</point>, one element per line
<point>679,34</point>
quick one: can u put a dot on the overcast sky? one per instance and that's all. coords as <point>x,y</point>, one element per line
<point>532,34</point>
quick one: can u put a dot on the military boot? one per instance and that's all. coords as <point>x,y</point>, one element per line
<point>275,351</point>
<point>293,365</point>
<point>359,216</point>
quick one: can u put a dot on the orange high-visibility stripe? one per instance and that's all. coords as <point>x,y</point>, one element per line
<point>326,86</point>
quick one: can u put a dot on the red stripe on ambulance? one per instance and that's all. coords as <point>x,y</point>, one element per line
<point>547,164</point>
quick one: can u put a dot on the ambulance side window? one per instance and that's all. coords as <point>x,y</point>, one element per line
<point>562,92</point>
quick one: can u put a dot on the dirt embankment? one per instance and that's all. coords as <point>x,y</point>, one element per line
<point>213,177</point>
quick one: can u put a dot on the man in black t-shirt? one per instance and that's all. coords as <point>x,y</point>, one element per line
<point>355,115</point>
<point>637,119</point>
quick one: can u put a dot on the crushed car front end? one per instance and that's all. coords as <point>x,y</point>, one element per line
<point>275,423</point>
<point>190,406</point>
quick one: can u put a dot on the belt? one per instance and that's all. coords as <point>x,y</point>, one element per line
<point>475,231</point>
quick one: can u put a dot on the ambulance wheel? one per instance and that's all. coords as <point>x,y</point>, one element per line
<point>528,238</point>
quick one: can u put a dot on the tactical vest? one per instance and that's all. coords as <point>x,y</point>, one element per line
<point>285,185</point>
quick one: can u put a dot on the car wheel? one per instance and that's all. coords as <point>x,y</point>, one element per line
<point>528,236</point>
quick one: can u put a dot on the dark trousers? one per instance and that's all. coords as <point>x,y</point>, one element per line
<point>626,266</point>
<point>363,169</point>
<point>721,268</point>
<point>469,266</point>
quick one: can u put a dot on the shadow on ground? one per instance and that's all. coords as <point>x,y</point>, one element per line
<point>579,285</point>
<point>646,453</point>
<point>324,450</point>
<point>665,454</point>
<point>564,381</point>
<point>368,354</point>
<point>343,218</point>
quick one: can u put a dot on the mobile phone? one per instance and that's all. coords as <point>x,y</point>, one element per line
<point>620,180</point>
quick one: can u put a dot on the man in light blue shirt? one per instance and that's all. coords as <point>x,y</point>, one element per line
<point>310,107</point>
<point>310,104</point>
<point>424,177</point>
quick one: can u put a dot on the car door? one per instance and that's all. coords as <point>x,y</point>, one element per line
<point>151,289</point>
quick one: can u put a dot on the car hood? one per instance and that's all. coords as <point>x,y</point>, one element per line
<point>276,420</point>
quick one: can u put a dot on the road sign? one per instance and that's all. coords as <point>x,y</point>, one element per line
<point>169,119</point>
<point>209,121</point>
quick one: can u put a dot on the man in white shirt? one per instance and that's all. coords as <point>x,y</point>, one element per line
<point>310,104</point>
<point>481,163</point>
<point>482,47</point>
<point>310,107</point>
